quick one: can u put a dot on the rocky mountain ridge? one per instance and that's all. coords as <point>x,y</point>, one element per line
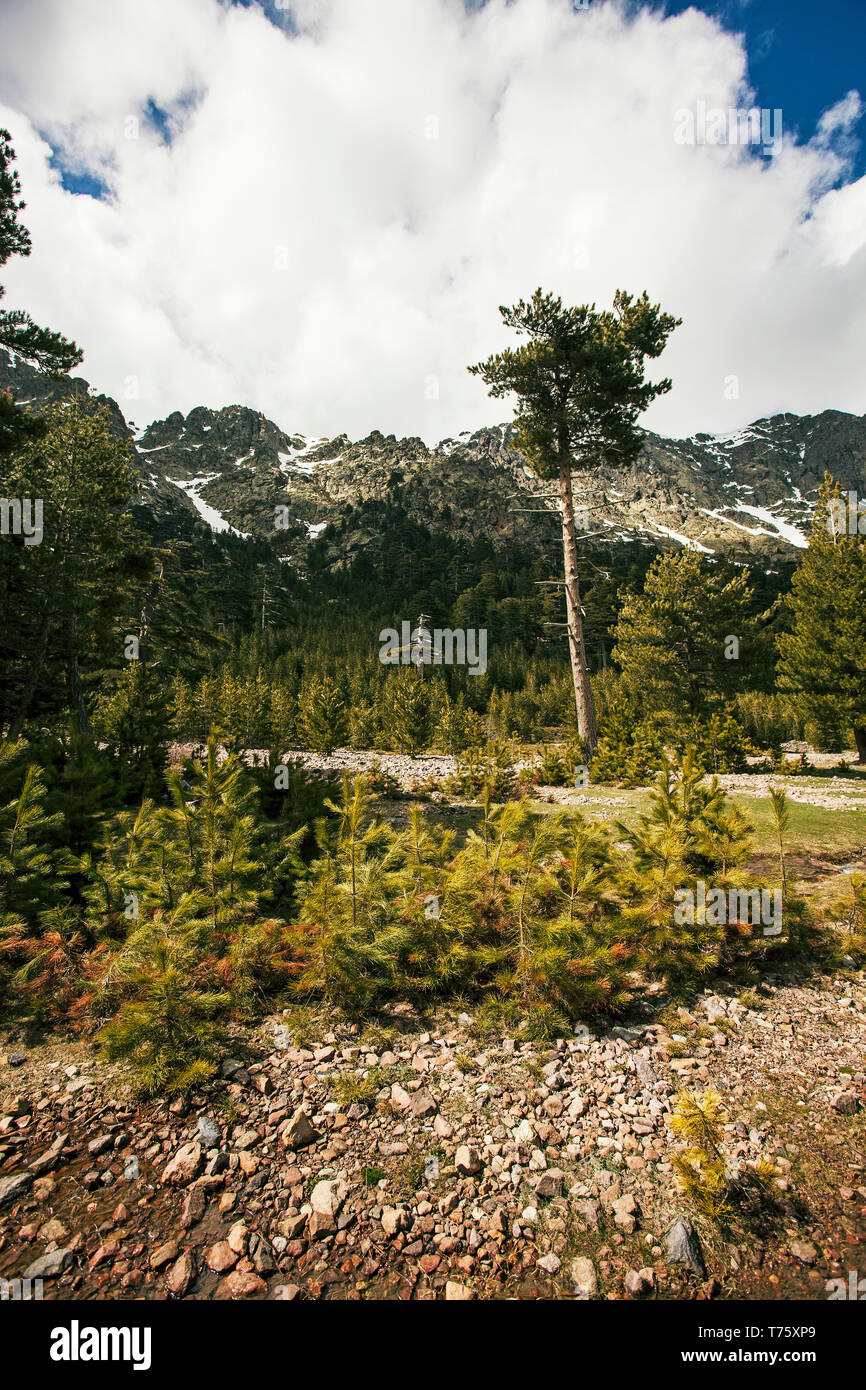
<point>749,494</point>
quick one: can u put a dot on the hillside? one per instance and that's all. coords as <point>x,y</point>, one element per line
<point>748,495</point>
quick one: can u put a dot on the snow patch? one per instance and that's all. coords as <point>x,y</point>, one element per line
<point>783,528</point>
<point>215,520</point>
<point>683,540</point>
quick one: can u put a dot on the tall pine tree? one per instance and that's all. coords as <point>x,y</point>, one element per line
<point>580,387</point>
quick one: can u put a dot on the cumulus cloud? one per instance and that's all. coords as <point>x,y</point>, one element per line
<point>317,210</point>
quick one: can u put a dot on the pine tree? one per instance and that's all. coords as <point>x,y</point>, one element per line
<point>668,845</point>
<point>457,727</point>
<point>42,944</point>
<point>49,351</point>
<point>716,1187</point>
<point>134,720</point>
<point>54,976</point>
<point>71,587</point>
<point>322,718</point>
<point>346,908</point>
<point>30,868</point>
<point>630,749</point>
<point>672,639</point>
<point>823,656</point>
<point>700,1166</point>
<point>212,819</point>
<point>165,1026</point>
<point>132,870</point>
<point>580,387</point>
<point>29,864</point>
<point>409,712</point>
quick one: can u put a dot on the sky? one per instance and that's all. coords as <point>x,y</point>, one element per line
<point>315,207</point>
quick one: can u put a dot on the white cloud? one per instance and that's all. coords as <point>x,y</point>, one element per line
<point>342,207</point>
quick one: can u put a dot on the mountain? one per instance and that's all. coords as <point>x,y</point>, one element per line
<point>749,494</point>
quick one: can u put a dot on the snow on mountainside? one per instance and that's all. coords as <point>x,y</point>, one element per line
<point>749,493</point>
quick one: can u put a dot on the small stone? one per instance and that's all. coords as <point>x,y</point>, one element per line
<point>50,1158</point>
<point>238,1238</point>
<point>422,1104</point>
<point>184,1167</point>
<point>240,1285</point>
<point>180,1277</point>
<point>457,1293</point>
<point>262,1258</point>
<point>684,1247</point>
<point>584,1277</point>
<point>193,1207</point>
<point>298,1132</point>
<point>551,1264</point>
<point>208,1131</point>
<point>49,1266</point>
<point>327,1197</point>
<point>845,1103</point>
<point>467,1161</point>
<point>550,1183</point>
<point>320,1224</point>
<point>639,1282</point>
<point>221,1257</point>
<point>14,1187</point>
<point>393,1220</point>
<point>164,1255</point>
<point>524,1134</point>
<point>53,1230</point>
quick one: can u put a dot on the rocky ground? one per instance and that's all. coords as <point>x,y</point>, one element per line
<point>838,793</point>
<point>416,1160</point>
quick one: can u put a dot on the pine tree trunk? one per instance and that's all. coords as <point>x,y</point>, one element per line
<point>580,671</point>
<point>860,740</point>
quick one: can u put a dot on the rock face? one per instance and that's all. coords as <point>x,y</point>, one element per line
<point>748,493</point>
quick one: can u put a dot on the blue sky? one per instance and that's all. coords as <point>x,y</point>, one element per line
<point>803,55</point>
